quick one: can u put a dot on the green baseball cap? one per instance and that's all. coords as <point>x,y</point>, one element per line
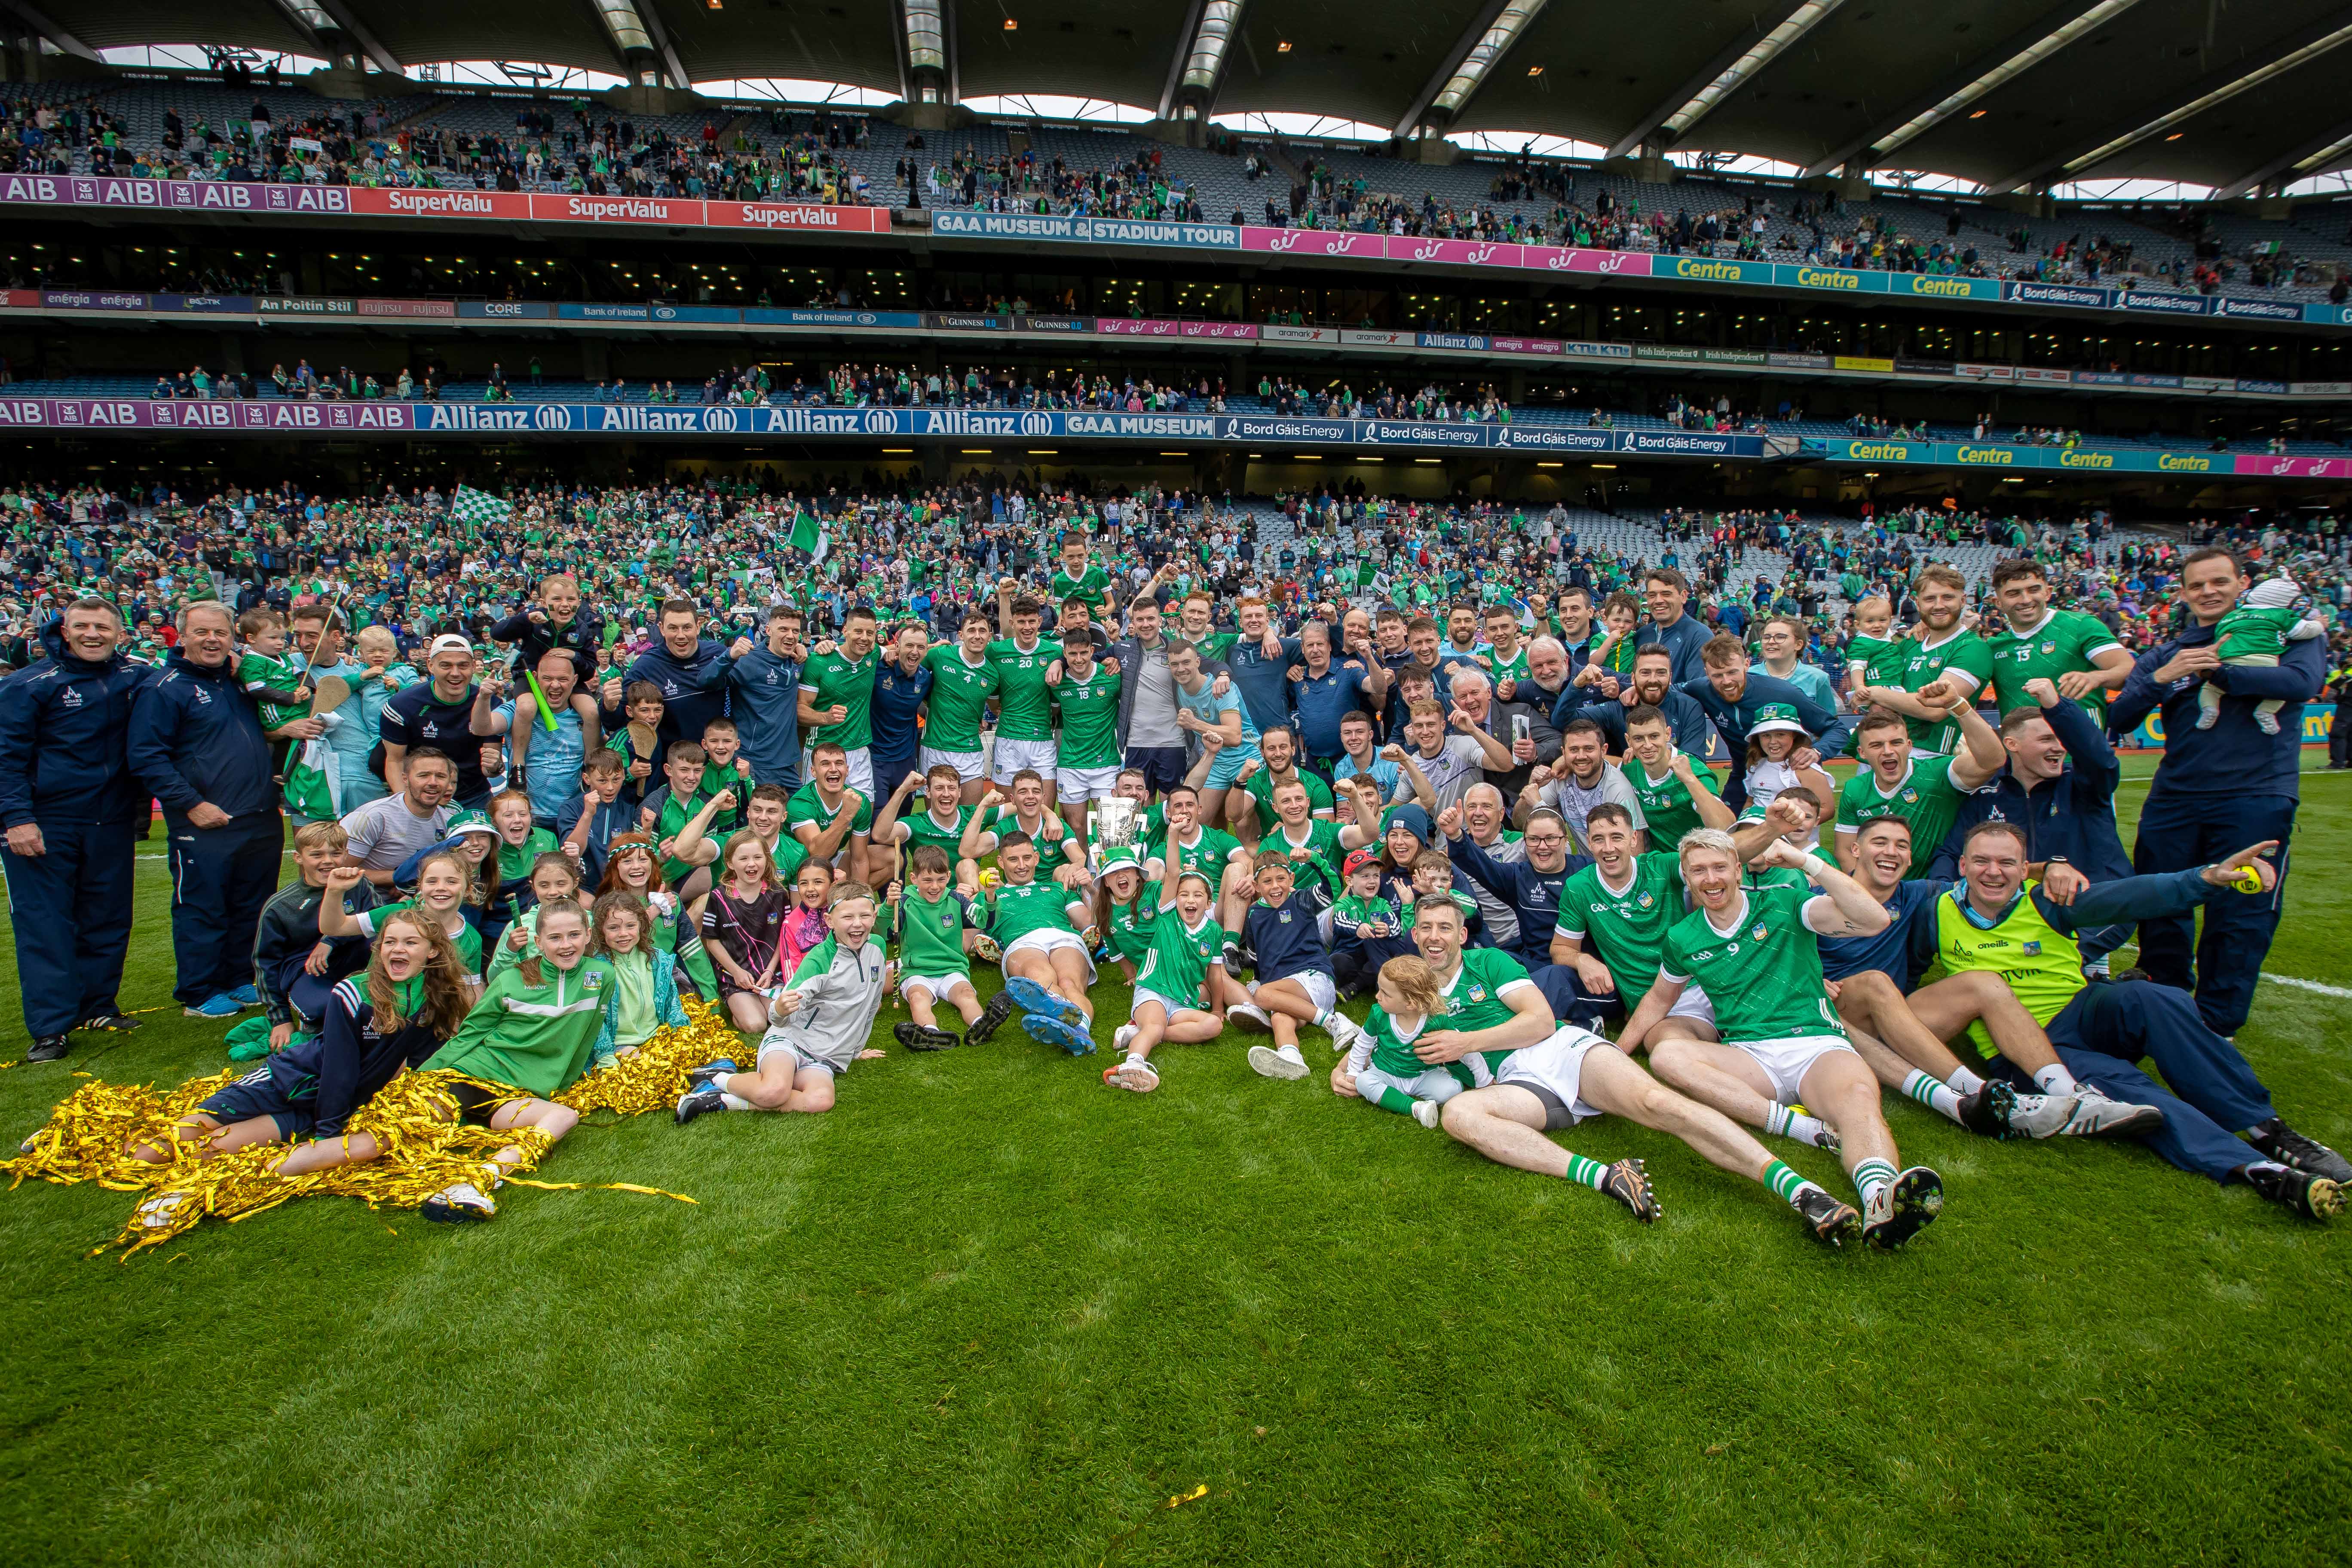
<point>470,822</point>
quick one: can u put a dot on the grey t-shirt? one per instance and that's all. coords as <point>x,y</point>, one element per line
<point>1459,763</point>
<point>1575,803</point>
<point>1153,722</point>
<point>384,833</point>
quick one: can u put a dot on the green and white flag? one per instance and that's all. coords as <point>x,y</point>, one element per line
<point>808,534</point>
<point>475,507</point>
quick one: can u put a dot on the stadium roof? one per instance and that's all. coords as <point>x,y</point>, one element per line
<point>1997,94</point>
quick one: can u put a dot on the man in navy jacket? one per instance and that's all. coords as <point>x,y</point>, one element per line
<point>74,815</point>
<point>2217,789</point>
<point>690,669</point>
<point>197,746</point>
<point>1733,696</point>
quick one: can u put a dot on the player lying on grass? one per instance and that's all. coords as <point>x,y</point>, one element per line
<point>1755,953</point>
<point>933,969</point>
<point>817,1024</point>
<point>1564,1076</point>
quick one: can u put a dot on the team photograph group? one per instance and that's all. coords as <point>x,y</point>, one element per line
<point>1444,843</point>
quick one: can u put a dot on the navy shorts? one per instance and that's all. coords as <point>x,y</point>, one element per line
<point>258,1093</point>
<point>1162,767</point>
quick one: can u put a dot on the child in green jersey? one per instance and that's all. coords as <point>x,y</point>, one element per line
<point>552,877</point>
<point>1620,619</point>
<point>1383,1063</point>
<point>1126,906</point>
<point>442,883</point>
<point>1187,944</point>
<point>932,964</point>
<point>1361,915</point>
<point>2255,634</point>
<point>642,996</point>
<point>1870,655</point>
<point>265,673</point>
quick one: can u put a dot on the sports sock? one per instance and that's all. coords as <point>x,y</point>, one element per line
<point>2251,1166</point>
<point>1795,1124</point>
<point>1289,1054</point>
<point>720,1080</point>
<point>2055,1080</point>
<point>1392,1097</point>
<point>1963,1082</point>
<point>734,1101</point>
<point>1785,1182</point>
<point>1592,1172</point>
<point>1938,1097</point>
<point>1870,1176</point>
<point>1323,1017</point>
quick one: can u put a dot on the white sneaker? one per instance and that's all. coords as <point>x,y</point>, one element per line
<point>1267,1062</point>
<point>1345,1032</point>
<point>158,1212</point>
<point>2096,1116</point>
<point>1134,1074</point>
<point>1121,1035</point>
<point>2041,1115</point>
<point>1426,1112</point>
<point>459,1205</point>
<point>1249,1016</point>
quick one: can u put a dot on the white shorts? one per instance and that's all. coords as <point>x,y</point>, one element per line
<point>1073,785</point>
<point>1320,988</point>
<point>772,1044</point>
<point>1786,1062</point>
<point>1012,756</point>
<point>1553,1069</point>
<point>1693,1003</point>
<point>861,770</point>
<point>1049,941</point>
<point>939,985</point>
<point>969,765</point>
<point>1146,993</point>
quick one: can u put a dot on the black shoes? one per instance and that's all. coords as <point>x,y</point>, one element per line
<point>1000,1007</point>
<point>1830,1219</point>
<point>1628,1184</point>
<point>108,1024</point>
<point>2288,1147</point>
<point>2314,1197</point>
<point>1904,1208</point>
<point>1985,1110</point>
<point>48,1048</point>
<point>923,1037</point>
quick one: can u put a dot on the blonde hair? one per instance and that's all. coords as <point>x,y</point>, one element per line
<point>328,835</point>
<point>1412,978</point>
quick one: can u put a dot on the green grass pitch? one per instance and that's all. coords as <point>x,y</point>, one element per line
<point>989,1312</point>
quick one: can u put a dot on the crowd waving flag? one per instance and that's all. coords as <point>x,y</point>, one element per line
<point>808,534</point>
<point>475,507</point>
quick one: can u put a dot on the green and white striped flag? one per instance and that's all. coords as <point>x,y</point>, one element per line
<point>808,534</point>
<point>474,508</point>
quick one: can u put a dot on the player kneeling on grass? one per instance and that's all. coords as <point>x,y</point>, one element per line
<point>1756,953</point>
<point>533,1032</point>
<point>818,1024</point>
<point>933,968</point>
<point>1178,990</point>
<point>1295,985</point>
<point>1045,961</point>
<point>376,1024</point>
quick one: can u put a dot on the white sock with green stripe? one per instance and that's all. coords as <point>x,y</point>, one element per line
<point>1934,1094</point>
<point>1787,1184</point>
<point>1963,1082</point>
<point>1870,1176</point>
<point>1592,1172</point>
<point>1779,1119</point>
<point>1323,1017</point>
<point>2056,1079</point>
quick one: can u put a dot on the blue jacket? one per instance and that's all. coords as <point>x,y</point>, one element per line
<point>64,725</point>
<point>694,690</point>
<point>764,691</point>
<point>2233,757</point>
<point>897,697</point>
<point>195,737</point>
<point>1533,895</point>
<point>2073,815</point>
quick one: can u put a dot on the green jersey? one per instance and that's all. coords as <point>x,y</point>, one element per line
<point>1090,587</point>
<point>1514,667</point>
<point>1131,925</point>
<point>1177,963</point>
<point>1314,860</point>
<point>1475,997</point>
<point>1089,720</point>
<point>789,855</point>
<point>922,827</point>
<point>1016,911</point>
<point>806,807</point>
<point>1762,973</point>
<point>2061,644</point>
<point>1625,928</point>
<point>515,860</point>
<point>1924,797</point>
<point>1261,790</point>
<point>930,935</point>
<point>834,679</point>
<point>536,1038</point>
<point>1880,659</point>
<point>1391,1050</point>
<point>1217,645</point>
<point>1047,835</point>
<point>1208,854</point>
<point>1021,689</point>
<point>1666,802</point>
<point>673,812</point>
<point>958,698</point>
<point>1963,653</point>
<point>1352,912</point>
